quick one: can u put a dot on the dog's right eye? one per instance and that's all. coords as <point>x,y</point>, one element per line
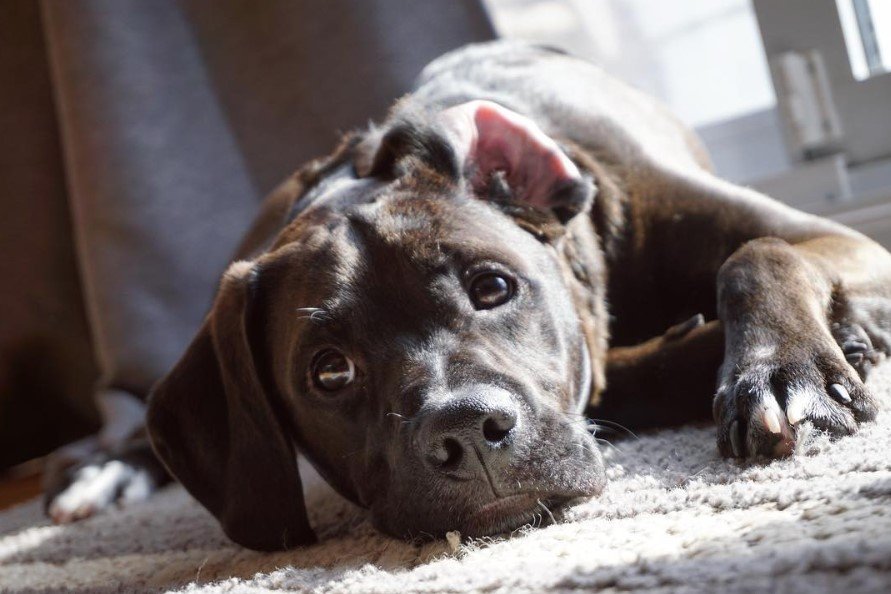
<point>490,289</point>
<point>332,370</point>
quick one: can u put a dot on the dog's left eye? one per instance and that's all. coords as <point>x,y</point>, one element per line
<point>490,289</point>
<point>332,370</point>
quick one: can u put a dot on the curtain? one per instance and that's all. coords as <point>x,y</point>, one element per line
<point>137,138</point>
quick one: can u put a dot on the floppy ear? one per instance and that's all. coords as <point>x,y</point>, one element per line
<point>214,423</point>
<point>503,155</point>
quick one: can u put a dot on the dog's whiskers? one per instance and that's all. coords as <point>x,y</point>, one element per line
<point>601,424</point>
<point>615,426</point>
<point>314,314</point>
<point>403,419</point>
<point>585,448</point>
<point>606,443</point>
<point>586,425</point>
<point>544,507</point>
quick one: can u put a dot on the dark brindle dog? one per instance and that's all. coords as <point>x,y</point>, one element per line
<point>434,314</point>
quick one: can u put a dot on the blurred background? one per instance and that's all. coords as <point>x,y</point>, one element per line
<point>138,137</point>
<point>792,97</point>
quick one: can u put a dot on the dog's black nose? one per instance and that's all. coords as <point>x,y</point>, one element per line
<point>477,427</point>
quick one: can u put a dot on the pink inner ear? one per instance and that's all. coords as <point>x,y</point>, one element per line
<point>492,138</point>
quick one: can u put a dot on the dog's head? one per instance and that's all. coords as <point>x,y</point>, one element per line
<point>426,331</point>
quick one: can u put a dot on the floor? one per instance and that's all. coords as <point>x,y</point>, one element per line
<point>20,484</point>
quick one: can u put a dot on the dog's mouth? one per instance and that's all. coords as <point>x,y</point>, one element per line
<point>555,462</point>
<point>510,512</point>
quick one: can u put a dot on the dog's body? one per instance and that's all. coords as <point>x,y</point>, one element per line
<point>426,312</point>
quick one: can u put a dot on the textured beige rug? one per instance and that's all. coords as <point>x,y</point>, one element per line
<point>674,518</point>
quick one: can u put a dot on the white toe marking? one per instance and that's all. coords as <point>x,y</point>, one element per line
<point>94,487</point>
<point>139,488</point>
<point>799,404</point>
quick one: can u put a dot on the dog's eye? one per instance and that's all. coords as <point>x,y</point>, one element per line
<point>490,289</point>
<point>332,371</point>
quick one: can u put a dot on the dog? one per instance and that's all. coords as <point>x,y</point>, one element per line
<point>433,313</point>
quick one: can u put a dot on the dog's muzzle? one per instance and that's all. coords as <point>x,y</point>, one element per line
<point>472,435</point>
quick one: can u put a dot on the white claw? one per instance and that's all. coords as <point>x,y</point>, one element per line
<point>771,420</point>
<point>774,421</point>
<point>840,393</point>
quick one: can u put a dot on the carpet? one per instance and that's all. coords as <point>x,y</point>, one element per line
<point>675,517</point>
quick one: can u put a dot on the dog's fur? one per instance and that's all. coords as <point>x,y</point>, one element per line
<point>635,277</point>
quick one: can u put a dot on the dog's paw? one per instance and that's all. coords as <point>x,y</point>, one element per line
<point>857,347</point>
<point>763,403</point>
<point>862,332</point>
<point>102,481</point>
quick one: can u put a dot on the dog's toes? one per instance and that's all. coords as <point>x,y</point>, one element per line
<point>830,409</point>
<point>754,420</point>
<point>97,486</point>
<point>761,408</point>
<point>776,437</point>
<point>861,332</point>
<point>139,488</point>
<point>680,330</point>
<point>62,512</point>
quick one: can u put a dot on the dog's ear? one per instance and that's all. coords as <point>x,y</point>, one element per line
<point>502,154</point>
<point>215,423</point>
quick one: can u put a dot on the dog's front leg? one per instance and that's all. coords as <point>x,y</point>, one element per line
<point>797,336</point>
<point>117,466</point>
<point>667,380</point>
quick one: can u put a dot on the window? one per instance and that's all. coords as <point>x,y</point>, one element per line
<point>790,96</point>
<point>866,25</point>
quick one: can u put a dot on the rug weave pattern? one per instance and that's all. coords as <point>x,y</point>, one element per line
<point>675,517</point>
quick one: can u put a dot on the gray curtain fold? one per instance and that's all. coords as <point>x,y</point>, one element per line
<point>292,75</point>
<point>163,124</point>
<point>157,187</point>
<point>46,360</point>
